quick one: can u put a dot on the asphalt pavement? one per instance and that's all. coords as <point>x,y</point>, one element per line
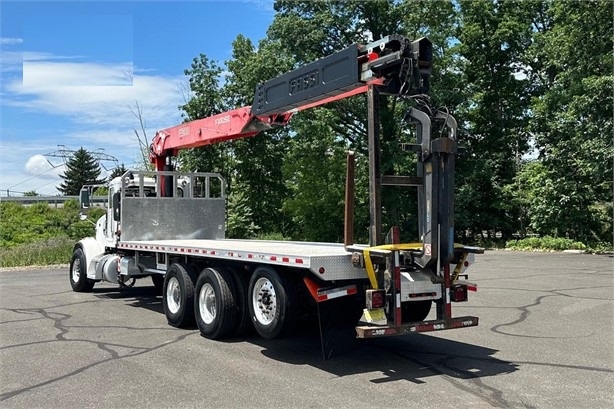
<point>545,340</point>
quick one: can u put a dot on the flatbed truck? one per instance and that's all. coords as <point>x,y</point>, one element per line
<point>170,225</point>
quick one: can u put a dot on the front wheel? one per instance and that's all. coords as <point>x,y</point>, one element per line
<point>271,303</point>
<point>78,273</point>
<point>178,297</point>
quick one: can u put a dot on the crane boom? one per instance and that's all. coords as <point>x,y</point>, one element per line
<point>393,63</point>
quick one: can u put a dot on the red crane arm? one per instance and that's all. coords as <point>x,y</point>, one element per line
<point>238,123</point>
<point>235,124</point>
<point>392,63</point>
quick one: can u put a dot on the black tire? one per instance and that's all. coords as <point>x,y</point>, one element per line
<point>77,273</point>
<point>215,305</point>
<point>414,311</point>
<point>271,303</point>
<point>178,296</point>
<point>158,282</point>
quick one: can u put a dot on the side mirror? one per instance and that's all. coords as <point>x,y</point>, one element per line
<point>84,198</point>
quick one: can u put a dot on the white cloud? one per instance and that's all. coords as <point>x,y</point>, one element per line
<point>39,56</point>
<point>50,74</point>
<point>97,116</point>
<point>48,87</point>
<point>37,174</point>
<point>38,165</point>
<point>10,41</point>
<point>12,61</point>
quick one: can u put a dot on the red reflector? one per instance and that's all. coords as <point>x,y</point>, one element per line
<point>376,299</point>
<point>459,293</point>
<point>372,56</point>
<point>321,270</point>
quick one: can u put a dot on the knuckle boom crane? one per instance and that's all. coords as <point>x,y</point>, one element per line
<point>394,64</point>
<point>169,225</point>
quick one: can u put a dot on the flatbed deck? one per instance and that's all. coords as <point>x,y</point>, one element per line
<point>329,261</point>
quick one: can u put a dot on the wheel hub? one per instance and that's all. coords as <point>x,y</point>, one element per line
<point>264,301</point>
<point>206,304</point>
<point>76,270</point>
<point>173,295</point>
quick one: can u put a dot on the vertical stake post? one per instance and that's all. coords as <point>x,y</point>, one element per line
<point>348,236</point>
<point>375,184</point>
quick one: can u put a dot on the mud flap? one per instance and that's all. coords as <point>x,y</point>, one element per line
<point>337,319</point>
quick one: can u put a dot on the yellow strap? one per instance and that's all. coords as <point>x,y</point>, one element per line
<point>369,265</point>
<point>458,267</point>
<point>391,247</point>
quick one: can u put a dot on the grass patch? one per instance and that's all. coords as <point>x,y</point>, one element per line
<point>56,250</point>
<point>545,243</point>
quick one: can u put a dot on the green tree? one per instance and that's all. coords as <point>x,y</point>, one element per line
<point>81,169</point>
<point>310,30</point>
<point>204,99</point>
<point>315,175</point>
<point>239,221</point>
<point>118,171</point>
<point>493,37</point>
<point>31,193</point>
<point>572,121</point>
<point>258,161</point>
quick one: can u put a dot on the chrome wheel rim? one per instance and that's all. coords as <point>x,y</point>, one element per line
<point>173,295</point>
<point>264,301</point>
<point>206,303</point>
<point>76,270</point>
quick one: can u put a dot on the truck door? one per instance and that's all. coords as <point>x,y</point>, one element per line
<point>113,216</point>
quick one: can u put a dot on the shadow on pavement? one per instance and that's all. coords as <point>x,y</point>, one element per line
<point>142,297</point>
<point>412,357</point>
<point>336,349</point>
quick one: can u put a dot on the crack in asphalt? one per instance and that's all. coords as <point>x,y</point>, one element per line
<point>525,310</point>
<point>445,368</point>
<point>558,292</point>
<point>58,323</point>
<point>442,367</point>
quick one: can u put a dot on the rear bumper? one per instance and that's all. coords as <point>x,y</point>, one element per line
<point>374,331</point>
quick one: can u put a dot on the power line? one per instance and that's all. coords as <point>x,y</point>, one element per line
<point>65,153</point>
<point>30,178</point>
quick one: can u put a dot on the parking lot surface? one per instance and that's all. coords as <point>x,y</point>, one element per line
<point>545,340</point>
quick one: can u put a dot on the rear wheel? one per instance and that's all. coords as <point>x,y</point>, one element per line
<point>215,306</point>
<point>271,303</point>
<point>413,311</point>
<point>178,297</point>
<point>78,273</point>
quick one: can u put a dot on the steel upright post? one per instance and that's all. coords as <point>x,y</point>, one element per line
<point>375,185</point>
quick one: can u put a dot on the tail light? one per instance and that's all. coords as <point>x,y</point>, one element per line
<point>376,299</point>
<point>458,293</point>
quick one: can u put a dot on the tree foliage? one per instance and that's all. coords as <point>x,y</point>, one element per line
<point>572,122</point>
<point>517,75</point>
<point>118,171</point>
<point>81,169</point>
<point>21,224</point>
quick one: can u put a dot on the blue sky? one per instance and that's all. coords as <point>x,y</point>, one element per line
<point>71,70</point>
